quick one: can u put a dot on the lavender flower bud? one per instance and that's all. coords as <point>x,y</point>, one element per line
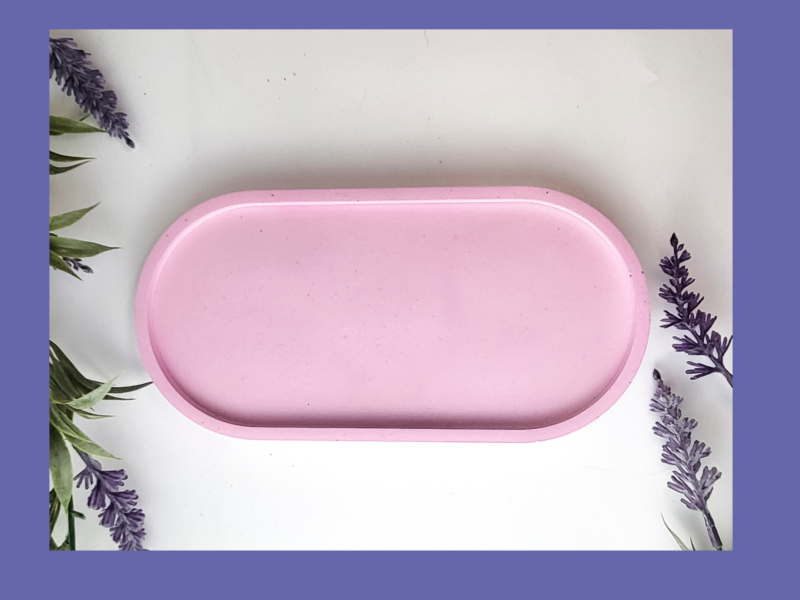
<point>680,452</point>
<point>77,265</point>
<point>119,512</point>
<point>72,70</point>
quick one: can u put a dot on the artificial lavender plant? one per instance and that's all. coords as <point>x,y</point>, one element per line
<point>74,73</point>
<point>699,340</point>
<point>71,393</point>
<point>685,455</point>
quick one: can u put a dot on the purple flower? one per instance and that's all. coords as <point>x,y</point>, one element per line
<point>117,507</point>
<point>685,455</point>
<point>73,72</point>
<point>700,340</point>
<point>77,265</point>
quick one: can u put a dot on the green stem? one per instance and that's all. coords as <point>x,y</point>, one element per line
<point>71,521</point>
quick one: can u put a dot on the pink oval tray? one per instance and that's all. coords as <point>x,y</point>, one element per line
<point>443,314</point>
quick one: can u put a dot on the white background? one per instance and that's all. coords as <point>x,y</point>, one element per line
<point>636,124</point>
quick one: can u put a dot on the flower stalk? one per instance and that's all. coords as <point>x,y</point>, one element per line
<point>699,340</point>
<point>680,452</point>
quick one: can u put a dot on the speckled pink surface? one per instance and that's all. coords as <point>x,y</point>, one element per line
<point>444,314</point>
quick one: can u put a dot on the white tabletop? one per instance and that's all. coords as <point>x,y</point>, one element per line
<point>636,124</point>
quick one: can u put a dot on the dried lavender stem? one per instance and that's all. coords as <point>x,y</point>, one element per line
<point>717,363</point>
<point>700,340</point>
<point>725,373</point>
<point>685,455</point>
<point>711,528</point>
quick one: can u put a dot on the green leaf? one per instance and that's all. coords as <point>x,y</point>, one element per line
<point>59,125</point>
<point>56,157</point>
<point>675,536</point>
<point>57,395</point>
<point>60,467</point>
<point>73,372</point>
<point>55,507</point>
<point>65,425</point>
<point>89,447</point>
<point>56,170</point>
<point>89,400</point>
<point>87,383</point>
<point>74,435</point>
<point>76,248</point>
<point>67,386</point>
<point>68,218</point>
<point>89,415</point>
<point>126,389</point>
<point>59,265</point>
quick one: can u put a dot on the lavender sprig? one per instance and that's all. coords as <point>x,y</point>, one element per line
<point>117,507</point>
<point>73,72</point>
<point>700,341</point>
<point>685,455</point>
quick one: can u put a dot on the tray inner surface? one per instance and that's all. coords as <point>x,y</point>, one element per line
<point>470,315</point>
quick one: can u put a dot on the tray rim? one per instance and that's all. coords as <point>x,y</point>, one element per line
<point>422,195</point>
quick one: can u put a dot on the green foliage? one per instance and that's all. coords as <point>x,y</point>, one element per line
<point>55,170</point>
<point>89,399</point>
<point>69,218</point>
<point>61,125</point>
<point>67,247</point>
<point>62,364</point>
<point>55,157</point>
<point>678,540</point>
<point>71,393</point>
<point>55,509</point>
<point>60,467</point>
<point>58,263</point>
<point>62,247</point>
